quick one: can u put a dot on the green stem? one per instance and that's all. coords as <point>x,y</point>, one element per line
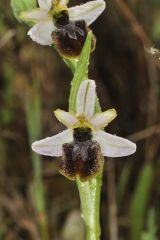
<point>89,191</point>
<point>90,201</point>
<point>81,72</point>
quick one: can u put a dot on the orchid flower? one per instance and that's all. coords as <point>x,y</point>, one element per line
<point>84,117</point>
<point>42,17</point>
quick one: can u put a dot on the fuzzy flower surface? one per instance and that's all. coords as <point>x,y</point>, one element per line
<point>42,17</point>
<point>84,117</point>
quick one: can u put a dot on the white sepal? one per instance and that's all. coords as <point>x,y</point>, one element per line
<point>89,11</point>
<point>52,146</point>
<point>114,146</point>
<point>41,32</point>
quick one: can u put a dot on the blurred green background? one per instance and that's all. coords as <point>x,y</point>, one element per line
<point>36,202</point>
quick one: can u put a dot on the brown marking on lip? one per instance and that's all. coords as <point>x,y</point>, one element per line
<point>82,157</point>
<point>69,37</point>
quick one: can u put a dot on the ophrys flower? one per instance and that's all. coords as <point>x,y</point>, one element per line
<point>66,27</point>
<point>84,142</point>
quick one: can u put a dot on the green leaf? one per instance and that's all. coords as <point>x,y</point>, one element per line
<point>33,122</point>
<point>19,6</point>
<point>156,27</point>
<point>150,234</point>
<point>81,72</point>
<point>122,183</point>
<point>33,112</point>
<point>140,201</point>
<point>71,63</point>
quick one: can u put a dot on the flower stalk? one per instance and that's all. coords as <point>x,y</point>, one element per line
<point>89,191</point>
<point>90,203</point>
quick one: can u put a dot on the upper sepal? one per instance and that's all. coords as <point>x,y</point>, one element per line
<point>86,98</point>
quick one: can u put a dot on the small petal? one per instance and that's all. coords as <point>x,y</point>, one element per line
<point>52,146</point>
<point>45,4</point>
<point>89,11</point>
<point>86,98</point>
<point>36,15</point>
<point>100,120</point>
<point>67,118</point>
<point>113,146</point>
<point>41,32</point>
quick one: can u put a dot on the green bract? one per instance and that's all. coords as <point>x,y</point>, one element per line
<point>19,6</point>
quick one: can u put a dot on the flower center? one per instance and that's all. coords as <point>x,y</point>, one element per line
<point>60,18</point>
<point>59,12</point>
<point>82,134</point>
<point>83,122</point>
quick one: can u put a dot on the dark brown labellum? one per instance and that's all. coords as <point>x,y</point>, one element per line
<point>69,37</point>
<point>82,157</point>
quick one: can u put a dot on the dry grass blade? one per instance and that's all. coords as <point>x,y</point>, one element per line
<point>16,207</point>
<point>6,37</point>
